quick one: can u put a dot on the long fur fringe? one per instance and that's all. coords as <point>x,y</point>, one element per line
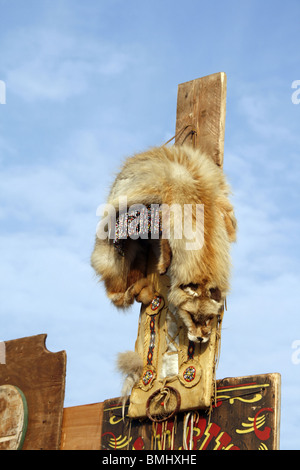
<point>130,364</point>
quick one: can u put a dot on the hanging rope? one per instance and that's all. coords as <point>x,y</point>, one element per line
<point>192,132</point>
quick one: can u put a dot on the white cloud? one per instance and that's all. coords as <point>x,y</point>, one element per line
<point>55,65</point>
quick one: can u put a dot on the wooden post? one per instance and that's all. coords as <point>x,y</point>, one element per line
<point>200,122</point>
<point>201,110</point>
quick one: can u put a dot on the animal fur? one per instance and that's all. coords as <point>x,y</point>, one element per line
<point>199,278</point>
<point>130,364</point>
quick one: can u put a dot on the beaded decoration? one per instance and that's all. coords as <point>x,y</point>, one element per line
<point>152,341</point>
<point>137,223</point>
<point>147,377</point>
<point>191,350</point>
<point>155,303</point>
<point>189,374</point>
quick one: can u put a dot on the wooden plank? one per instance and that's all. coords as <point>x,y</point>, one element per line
<point>201,110</point>
<point>40,375</point>
<point>246,416</point>
<point>81,427</point>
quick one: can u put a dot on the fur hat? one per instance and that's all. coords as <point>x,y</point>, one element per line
<point>196,225</point>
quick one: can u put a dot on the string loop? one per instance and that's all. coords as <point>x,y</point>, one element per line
<point>192,132</point>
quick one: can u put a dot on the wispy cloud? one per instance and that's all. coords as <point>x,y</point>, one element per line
<point>45,64</point>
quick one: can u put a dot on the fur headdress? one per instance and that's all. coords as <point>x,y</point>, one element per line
<point>180,182</point>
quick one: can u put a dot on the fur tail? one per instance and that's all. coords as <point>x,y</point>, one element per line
<point>130,364</point>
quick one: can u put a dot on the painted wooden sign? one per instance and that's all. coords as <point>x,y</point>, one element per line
<point>13,417</point>
<point>245,416</point>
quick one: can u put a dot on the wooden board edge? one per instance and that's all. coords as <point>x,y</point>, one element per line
<point>277,418</point>
<point>80,421</point>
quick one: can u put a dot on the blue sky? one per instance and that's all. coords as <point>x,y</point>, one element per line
<point>89,83</point>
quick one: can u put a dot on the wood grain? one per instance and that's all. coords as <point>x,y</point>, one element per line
<point>81,427</point>
<point>201,110</point>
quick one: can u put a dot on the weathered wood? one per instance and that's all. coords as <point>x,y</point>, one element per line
<point>81,427</point>
<point>40,375</point>
<point>246,416</point>
<point>201,110</point>
<point>13,418</point>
